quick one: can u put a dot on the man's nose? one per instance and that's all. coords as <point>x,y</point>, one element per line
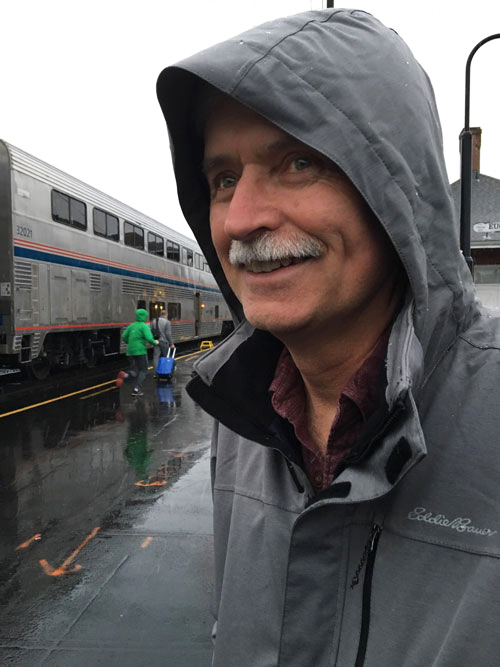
<point>254,208</point>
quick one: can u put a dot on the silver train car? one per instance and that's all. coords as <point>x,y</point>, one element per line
<point>75,264</point>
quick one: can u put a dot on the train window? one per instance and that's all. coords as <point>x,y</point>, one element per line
<point>106,225</point>
<point>216,312</point>
<point>60,207</point>
<point>99,222</point>
<point>139,238</point>
<point>133,235</point>
<point>155,244</point>
<point>112,227</point>
<point>174,311</point>
<point>128,234</point>
<point>206,267</point>
<point>198,261</point>
<point>78,213</point>
<point>173,251</point>
<point>187,256</point>
<point>68,210</point>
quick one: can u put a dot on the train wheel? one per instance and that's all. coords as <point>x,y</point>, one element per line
<point>40,368</point>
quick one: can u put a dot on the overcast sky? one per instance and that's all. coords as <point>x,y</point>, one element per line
<point>77,79</point>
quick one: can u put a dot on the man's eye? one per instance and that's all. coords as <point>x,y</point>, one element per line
<point>301,163</point>
<point>225,182</point>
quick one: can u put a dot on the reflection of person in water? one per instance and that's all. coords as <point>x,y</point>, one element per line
<point>137,453</point>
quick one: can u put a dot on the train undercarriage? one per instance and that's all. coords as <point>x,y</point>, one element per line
<point>68,350</point>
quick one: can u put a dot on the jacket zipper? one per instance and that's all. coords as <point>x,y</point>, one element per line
<point>293,474</point>
<point>371,552</point>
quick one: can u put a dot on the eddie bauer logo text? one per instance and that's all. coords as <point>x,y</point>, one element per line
<point>460,524</point>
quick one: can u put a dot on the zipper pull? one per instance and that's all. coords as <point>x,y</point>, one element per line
<point>293,474</point>
<point>376,530</point>
<point>369,547</point>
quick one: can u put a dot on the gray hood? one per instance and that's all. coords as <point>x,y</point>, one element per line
<point>288,560</point>
<point>333,80</point>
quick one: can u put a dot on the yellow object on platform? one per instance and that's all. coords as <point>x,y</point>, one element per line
<point>206,345</point>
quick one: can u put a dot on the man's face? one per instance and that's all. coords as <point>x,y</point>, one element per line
<point>307,255</point>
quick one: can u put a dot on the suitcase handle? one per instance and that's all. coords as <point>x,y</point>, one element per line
<point>173,352</point>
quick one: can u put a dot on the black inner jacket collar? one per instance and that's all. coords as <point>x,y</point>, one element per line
<point>246,408</point>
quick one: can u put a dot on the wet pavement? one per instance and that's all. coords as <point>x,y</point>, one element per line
<point>105,528</point>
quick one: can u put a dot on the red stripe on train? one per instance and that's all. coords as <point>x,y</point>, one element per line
<point>106,324</point>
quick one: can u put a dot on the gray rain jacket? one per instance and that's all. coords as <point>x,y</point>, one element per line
<point>396,564</point>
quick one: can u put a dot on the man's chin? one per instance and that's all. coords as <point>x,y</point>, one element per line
<point>277,324</point>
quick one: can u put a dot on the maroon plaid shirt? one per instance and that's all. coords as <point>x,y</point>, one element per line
<point>357,402</point>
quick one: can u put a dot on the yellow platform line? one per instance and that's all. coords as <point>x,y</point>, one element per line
<point>73,393</point>
<point>53,400</point>
<point>97,393</point>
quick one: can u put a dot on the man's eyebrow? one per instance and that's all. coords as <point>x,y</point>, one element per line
<point>274,147</point>
<point>211,163</point>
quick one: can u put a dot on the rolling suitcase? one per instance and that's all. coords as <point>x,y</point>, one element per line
<point>166,366</point>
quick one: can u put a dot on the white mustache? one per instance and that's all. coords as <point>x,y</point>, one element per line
<point>271,248</point>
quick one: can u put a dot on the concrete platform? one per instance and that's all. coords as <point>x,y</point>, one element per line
<point>138,592</point>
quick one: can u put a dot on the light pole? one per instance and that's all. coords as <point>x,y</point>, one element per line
<point>466,164</point>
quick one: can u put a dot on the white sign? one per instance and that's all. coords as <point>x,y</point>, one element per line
<point>485,227</point>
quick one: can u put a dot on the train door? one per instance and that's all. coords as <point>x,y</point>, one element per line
<point>155,308</point>
<point>197,314</point>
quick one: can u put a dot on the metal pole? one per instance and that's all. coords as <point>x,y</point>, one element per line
<point>466,164</point>
<point>465,196</point>
<point>329,4</point>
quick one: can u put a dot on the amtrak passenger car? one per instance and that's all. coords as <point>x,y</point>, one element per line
<point>75,264</point>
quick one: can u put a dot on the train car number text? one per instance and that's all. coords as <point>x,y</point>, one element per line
<point>24,231</point>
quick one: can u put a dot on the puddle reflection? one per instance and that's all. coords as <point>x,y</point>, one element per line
<point>137,452</point>
<point>71,465</point>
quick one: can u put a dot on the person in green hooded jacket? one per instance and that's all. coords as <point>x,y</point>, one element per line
<point>137,335</point>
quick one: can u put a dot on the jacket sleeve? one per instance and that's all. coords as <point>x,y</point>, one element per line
<point>168,332</point>
<point>148,335</point>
